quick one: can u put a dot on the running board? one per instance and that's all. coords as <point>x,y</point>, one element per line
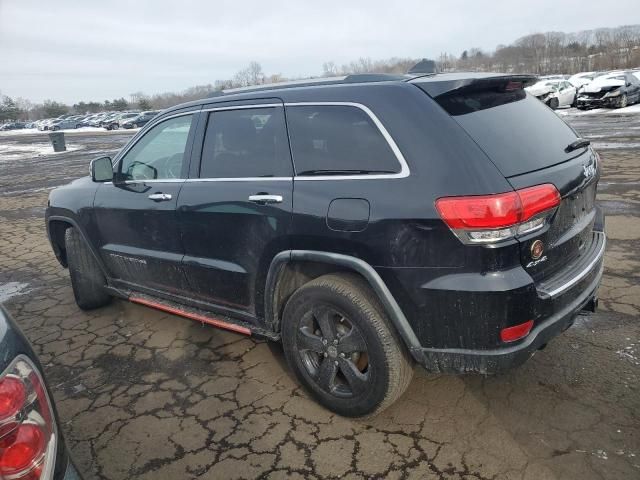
<point>202,316</point>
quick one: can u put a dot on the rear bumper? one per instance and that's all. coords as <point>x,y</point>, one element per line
<point>560,299</point>
<point>454,360</point>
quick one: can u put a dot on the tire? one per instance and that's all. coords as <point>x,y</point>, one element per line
<point>575,100</point>
<point>553,104</point>
<point>624,101</point>
<point>87,278</point>
<point>77,126</point>
<point>55,129</point>
<point>356,350</point>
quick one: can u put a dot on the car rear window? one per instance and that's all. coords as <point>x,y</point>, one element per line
<point>337,138</point>
<point>518,132</point>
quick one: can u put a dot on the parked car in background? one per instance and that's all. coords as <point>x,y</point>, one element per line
<point>553,77</point>
<point>140,119</point>
<point>126,116</point>
<point>43,125</point>
<point>12,126</point>
<point>31,444</point>
<point>581,79</point>
<point>206,215</point>
<point>554,93</point>
<point>108,120</point>
<point>613,90</point>
<point>65,123</point>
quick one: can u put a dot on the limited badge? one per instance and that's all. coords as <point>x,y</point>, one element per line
<point>537,249</point>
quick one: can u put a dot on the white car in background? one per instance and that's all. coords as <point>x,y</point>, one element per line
<point>581,79</point>
<point>554,93</point>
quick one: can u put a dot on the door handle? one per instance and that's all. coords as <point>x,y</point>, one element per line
<point>265,199</point>
<point>160,197</point>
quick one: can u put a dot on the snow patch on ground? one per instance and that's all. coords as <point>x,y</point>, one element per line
<point>12,289</point>
<point>35,131</point>
<point>615,145</point>
<point>601,111</point>
<point>629,353</point>
<point>18,151</point>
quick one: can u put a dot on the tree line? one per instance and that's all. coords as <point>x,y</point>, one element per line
<point>538,53</point>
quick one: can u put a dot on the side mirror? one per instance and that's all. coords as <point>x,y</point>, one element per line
<point>101,169</point>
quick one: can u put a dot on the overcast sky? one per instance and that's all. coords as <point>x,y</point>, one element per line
<point>95,50</point>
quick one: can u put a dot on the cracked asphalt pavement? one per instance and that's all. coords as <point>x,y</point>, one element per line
<point>143,394</point>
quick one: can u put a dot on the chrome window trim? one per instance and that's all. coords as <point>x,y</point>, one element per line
<point>404,167</point>
<point>584,272</point>
<point>239,179</point>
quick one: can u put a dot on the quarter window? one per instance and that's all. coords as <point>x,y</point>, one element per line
<point>337,139</point>
<point>245,143</point>
<point>159,154</point>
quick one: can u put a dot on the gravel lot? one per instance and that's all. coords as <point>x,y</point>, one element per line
<point>143,394</point>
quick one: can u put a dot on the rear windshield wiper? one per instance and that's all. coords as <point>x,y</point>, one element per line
<point>342,172</point>
<point>579,143</point>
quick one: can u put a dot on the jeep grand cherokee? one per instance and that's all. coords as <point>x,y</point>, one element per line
<point>369,223</point>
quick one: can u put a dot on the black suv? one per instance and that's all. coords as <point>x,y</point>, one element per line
<point>369,223</point>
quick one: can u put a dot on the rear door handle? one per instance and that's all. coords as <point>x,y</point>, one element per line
<point>265,199</point>
<point>160,197</point>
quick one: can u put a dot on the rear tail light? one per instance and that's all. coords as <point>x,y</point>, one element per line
<point>28,433</point>
<point>511,334</point>
<point>493,218</point>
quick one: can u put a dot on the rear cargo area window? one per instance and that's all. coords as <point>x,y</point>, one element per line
<point>518,132</point>
<point>337,138</point>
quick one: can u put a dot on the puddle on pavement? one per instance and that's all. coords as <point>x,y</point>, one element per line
<point>12,289</point>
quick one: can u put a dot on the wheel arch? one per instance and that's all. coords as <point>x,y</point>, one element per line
<point>57,225</point>
<point>291,269</point>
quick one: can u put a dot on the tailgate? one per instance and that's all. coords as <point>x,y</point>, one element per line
<point>530,145</point>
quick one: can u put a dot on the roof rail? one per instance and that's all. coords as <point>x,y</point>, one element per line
<point>309,82</point>
<point>373,77</point>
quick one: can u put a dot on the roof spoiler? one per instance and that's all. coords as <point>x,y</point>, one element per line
<point>438,86</point>
<point>424,66</point>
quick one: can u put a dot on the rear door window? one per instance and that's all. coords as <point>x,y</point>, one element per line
<point>245,143</point>
<point>337,139</point>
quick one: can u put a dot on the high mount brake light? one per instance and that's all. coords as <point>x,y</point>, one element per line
<point>28,435</point>
<point>493,218</point>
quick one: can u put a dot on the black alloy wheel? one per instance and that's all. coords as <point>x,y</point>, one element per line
<point>342,347</point>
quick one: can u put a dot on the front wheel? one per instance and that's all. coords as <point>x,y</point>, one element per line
<point>87,279</point>
<point>342,348</point>
<point>553,104</point>
<point>624,101</point>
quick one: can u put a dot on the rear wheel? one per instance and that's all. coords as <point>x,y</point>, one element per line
<point>87,279</point>
<point>342,348</point>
